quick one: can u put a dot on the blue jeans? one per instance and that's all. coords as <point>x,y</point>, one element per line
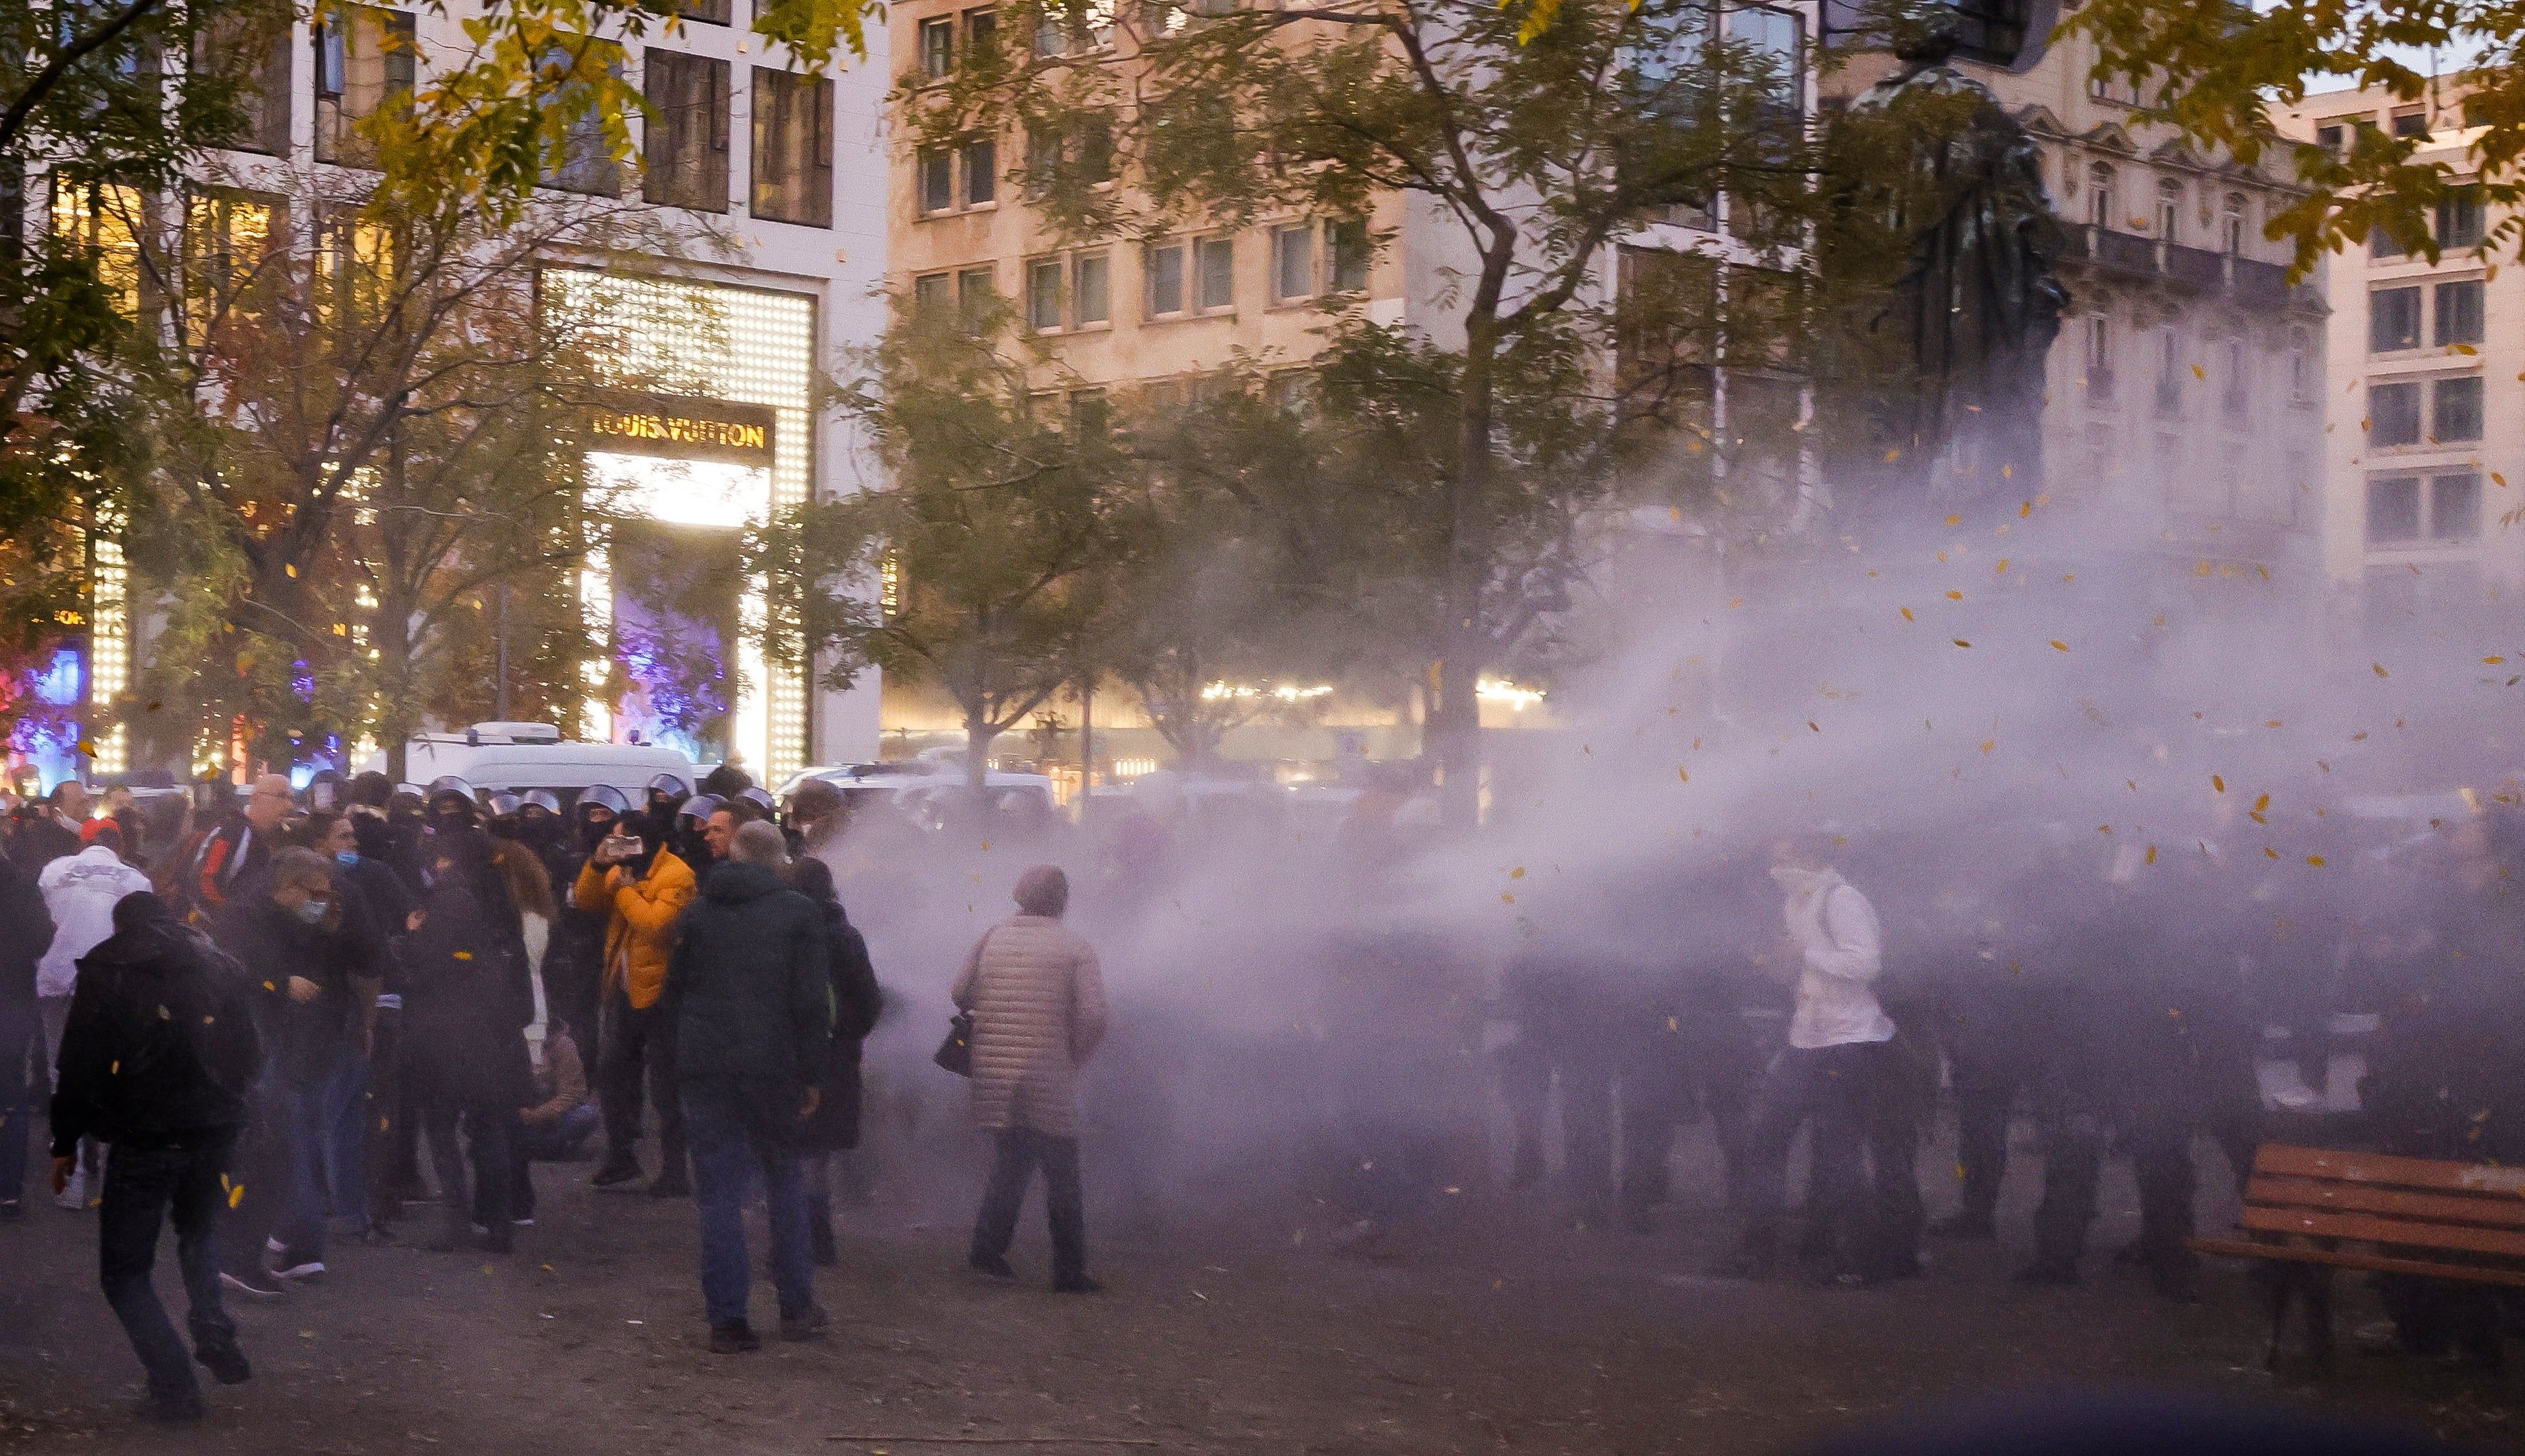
<point>21,1027</point>
<point>143,1186</point>
<point>321,1098</point>
<point>733,1131</point>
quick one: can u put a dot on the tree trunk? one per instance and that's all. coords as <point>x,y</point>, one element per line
<point>1467,640</point>
<point>979,736</point>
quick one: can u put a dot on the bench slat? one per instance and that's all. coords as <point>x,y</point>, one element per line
<point>2499,1211</point>
<point>2373,1230</point>
<point>2478,1179</point>
<point>2237,1249</point>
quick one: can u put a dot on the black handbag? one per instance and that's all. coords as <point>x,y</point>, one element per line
<point>956,1053</point>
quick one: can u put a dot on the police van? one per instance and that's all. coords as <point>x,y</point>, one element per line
<point>513,757</point>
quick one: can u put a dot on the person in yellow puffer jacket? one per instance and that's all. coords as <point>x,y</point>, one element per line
<point>642,889</point>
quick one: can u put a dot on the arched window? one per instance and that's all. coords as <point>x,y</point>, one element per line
<point>2231,225</point>
<point>2100,195</point>
<point>2169,210</point>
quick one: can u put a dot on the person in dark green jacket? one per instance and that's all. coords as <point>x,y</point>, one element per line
<point>749,995</point>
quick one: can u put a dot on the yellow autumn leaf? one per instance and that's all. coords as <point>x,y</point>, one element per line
<point>1507,899</point>
<point>1959,642</point>
<point>2002,565</point>
<point>2151,855</point>
<point>1906,614</point>
<point>2262,804</point>
<point>2379,670</point>
<point>2494,661</point>
<point>2199,372</point>
<point>1518,873</point>
<point>1955,596</point>
<point>2060,646</point>
<point>2218,783</point>
<point>2315,860</point>
<point>1955,520</point>
<point>1684,774</point>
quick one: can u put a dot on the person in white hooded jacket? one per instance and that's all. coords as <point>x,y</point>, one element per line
<point>1838,1072</point>
<point>79,892</point>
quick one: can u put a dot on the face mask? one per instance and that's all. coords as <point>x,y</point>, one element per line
<point>312,911</point>
<point>346,857</point>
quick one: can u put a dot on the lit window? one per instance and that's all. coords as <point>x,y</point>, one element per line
<point>1293,262</point>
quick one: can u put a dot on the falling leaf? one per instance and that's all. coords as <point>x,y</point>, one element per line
<point>1507,899</point>
<point>1907,615</point>
<point>1892,455</point>
<point>2262,804</point>
<point>2151,855</point>
<point>2379,670</point>
<point>2104,829</point>
<point>1684,774</point>
<point>2002,565</point>
<point>2060,646</point>
<point>2267,850</point>
<point>2256,816</point>
<point>1955,596</point>
<point>1955,520</point>
<point>236,1195</point>
<point>463,955</point>
<point>2024,511</point>
<point>2358,738</point>
<point>1811,725</point>
<point>1518,873</point>
<point>2216,782</point>
<point>2494,661</point>
<point>2466,349</point>
<point>1738,601</point>
<point>1959,642</point>
<point>2199,372</point>
<point>1989,745</point>
<point>2315,860</point>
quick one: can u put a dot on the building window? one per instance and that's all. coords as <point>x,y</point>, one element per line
<point>2100,195</point>
<point>976,290</point>
<point>1043,294</point>
<point>588,161</point>
<point>2301,366</point>
<point>2411,122</point>
<point>2169,210</point>
<point>2454,507</point>
<point>2460,318</point>
<point>364,62</point>
<point>2235,392</point>
<point>931,292</point>
<point>2383,244</point>
<point>937,181</point>
<point>2454,411</point>
<point>1351,250</point>
<point>2459,218</point>
<point>981,173</point>
<point>2393,414</point>
<point>937,48</point>
<point>1293,262</point>
<point>2169,373</point>
<point>1165,270</point>
<point>2393,319</point>
<point>793,148</point>
<point>714,11</point>
<point>2330,139</point>
<point>981,34</point>
<point>2231,225</point>
<point>1218,274</point>
<point>2100,359</point>
<point>685,150</point>
<point>254,48</point>
<point>1091,290</point>
<point>2393,509</point>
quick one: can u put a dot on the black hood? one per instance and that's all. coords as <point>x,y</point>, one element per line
<point>736,881</point>
<point>146,936</point>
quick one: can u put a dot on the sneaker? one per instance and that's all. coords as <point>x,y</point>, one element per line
<point>74,1194</point>
<point>310,1271</point>
<point>733,1339</point>
<point>225,1361</point>
<point>1076,1284</point>
<point>176,1410</point>
<point>616,1172</point>
<point>254,1284</point>
<point>527,1222</point>
<point>993,1267</point>
<point>807,1323</point>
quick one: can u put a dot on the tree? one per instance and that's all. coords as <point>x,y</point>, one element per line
<point>1536,141</point>
<point>2215,70</point>
<point>366,431</point>
<point>991,547</point>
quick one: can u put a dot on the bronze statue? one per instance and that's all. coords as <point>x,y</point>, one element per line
<point>1978,305</point>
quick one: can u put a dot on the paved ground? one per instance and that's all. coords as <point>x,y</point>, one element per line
<point>1506,1333</point>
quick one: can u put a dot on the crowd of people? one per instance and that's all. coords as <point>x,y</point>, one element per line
<point>265,1015</point>
<point>253,1017</point>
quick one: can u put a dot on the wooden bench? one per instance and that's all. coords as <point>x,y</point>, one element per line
<point>2315,1211</point>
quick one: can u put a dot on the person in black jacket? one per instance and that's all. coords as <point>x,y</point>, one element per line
<point>856,1001</point>
<point>749,994</point>
<point>309,940</point>
<point>467,1002</point>
<point>156,1062</point>
<point>25,933</point>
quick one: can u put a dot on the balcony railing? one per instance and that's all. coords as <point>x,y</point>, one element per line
<point>2252,283</point>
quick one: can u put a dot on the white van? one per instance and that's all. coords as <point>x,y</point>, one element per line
<point>514,757</point>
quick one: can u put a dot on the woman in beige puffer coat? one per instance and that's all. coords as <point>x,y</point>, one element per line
<point>1038,1004</point>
